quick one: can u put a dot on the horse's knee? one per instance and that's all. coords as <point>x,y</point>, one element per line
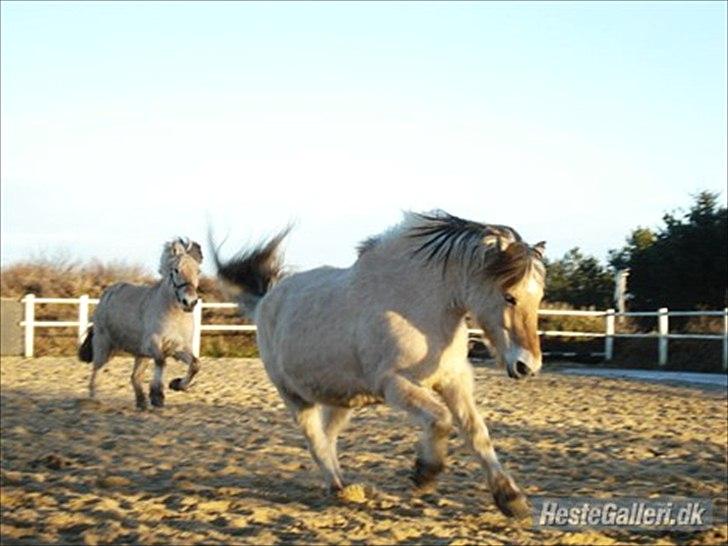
<point>442,422</point>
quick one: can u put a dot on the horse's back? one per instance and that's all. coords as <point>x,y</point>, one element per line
<point>123,297</point>
<point>302,299</point>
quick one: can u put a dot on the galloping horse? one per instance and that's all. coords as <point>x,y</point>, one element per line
<point>391,328</point>
<point>149,321</point>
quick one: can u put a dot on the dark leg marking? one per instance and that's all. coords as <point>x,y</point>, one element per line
<point>509,498</point>
<point>156,396</point>
<point>141,401</point>
<point>426,472</point>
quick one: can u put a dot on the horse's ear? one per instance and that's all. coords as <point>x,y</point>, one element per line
<point>177,248</point>
<point>540,249</point>
<point>195,250</point>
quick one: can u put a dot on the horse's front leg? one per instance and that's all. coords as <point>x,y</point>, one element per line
<point>140,365</point>
<point>458,395</point>
<point>156,389</point>
<point>193,366</point>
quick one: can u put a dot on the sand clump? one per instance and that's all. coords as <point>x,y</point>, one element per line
<point>223,463</point>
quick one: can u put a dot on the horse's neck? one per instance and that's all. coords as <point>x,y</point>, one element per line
<point>427,292</point>
<point>165,296</point>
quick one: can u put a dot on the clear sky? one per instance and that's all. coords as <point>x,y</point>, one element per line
<point>125,123</point>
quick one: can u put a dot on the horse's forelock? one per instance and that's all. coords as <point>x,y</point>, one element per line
<point>510,266</point>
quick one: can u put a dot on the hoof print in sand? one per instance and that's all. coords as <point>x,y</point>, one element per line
<point>53,461</point>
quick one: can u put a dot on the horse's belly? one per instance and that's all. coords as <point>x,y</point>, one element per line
<point>341,393</point>
<point>336,385</point>
<point>358,400</point>
<point>128,340</point>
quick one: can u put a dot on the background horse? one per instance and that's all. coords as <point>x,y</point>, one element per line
<point>391,328</point>
<point>149,321</point>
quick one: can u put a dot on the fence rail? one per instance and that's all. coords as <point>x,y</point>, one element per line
<point>662,335</point>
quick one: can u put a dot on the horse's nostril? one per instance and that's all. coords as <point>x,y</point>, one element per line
<point>522,369</point>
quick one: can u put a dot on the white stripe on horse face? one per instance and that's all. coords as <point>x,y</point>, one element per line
<point>533,285</point>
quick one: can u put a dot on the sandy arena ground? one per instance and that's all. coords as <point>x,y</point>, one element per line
<point>223,463</point>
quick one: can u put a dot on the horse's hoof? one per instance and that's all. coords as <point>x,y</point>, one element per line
<point>425,473</point>
<point>176,384</point>
<point>509,498</point>
<point>156,397</point>
<point>335,488</point>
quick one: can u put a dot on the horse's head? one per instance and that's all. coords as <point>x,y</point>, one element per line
<point>506,306</point>
<point>180,266</point>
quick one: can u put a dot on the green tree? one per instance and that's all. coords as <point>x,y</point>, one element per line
<point>637,242</point>
<point>683,265</point>
<point>578,280</point>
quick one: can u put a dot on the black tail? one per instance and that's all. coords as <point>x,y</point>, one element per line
<point>86,350</point>
<point>254,271</point>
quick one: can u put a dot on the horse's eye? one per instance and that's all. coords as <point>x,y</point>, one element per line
<point>510,300</point>
<point>176,271</point>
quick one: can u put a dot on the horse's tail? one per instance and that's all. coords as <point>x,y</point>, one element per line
<point>86,350</point>
<point>253,271</point>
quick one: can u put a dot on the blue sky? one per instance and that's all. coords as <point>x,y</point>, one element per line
<point>124,124</point>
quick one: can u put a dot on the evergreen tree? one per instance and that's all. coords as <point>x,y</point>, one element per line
<point>682,266</point>
<point>578,280</point>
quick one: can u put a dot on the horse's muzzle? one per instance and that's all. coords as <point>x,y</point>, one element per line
<point>188,307</point>
<point>519,370</point>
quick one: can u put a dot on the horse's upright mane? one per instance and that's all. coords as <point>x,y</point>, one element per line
<point>174,248</point>
<point>441,238</point>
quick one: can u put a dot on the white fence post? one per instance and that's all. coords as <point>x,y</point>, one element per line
<point>725,339</point>
<point>82,317</point>
<point>197,328</point>
<point>609,335</point>
<point>29,300</point>
<point>663,327</point>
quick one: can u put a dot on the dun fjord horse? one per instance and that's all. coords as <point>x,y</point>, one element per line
<point>149,322</point>
<point>391,328</point>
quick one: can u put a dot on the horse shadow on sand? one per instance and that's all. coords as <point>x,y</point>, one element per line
<point>191,453</point>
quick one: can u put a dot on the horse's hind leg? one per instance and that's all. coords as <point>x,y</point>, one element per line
<point>334,419</point>
<point>434,418</point>
<point>193,366</point>
<point>308,417</point>
<point>140,364</point>
<point>458,396</point>
<point>101,354</point>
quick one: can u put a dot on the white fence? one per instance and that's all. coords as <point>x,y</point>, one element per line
<point>662,334</point>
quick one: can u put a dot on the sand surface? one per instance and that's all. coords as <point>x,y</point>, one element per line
<point>224,463</point>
